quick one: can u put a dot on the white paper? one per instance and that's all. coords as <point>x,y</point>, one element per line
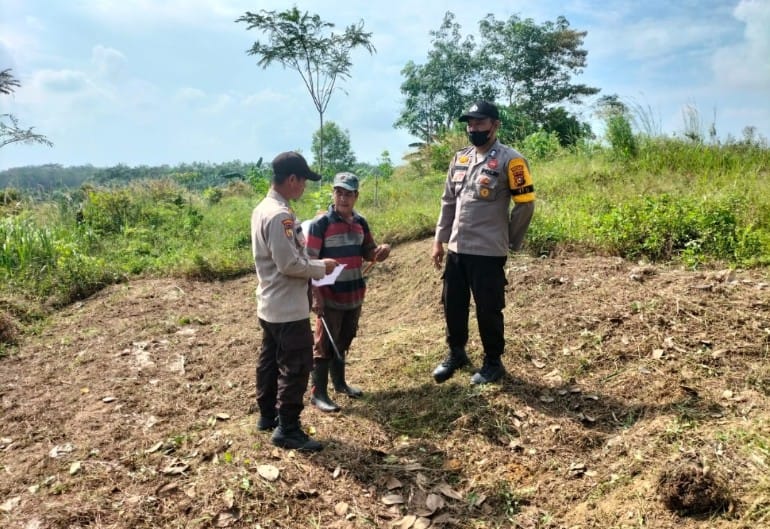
<point>329,279</point>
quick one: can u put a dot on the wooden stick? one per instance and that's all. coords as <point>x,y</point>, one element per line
<point>368,267</point>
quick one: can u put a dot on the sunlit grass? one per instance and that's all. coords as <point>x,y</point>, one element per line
<point>676,200</point>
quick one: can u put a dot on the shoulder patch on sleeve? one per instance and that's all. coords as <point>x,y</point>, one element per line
<point>288,228</point>
<point>520,181</point>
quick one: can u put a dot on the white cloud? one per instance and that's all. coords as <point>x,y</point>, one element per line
<point>746,64</point>
<point>142,81</point>
<point>19,43</point>
<point>109,62</point>
<point>141,14</point>
<point>653,38</point>
<point>188,94</point>
<point>220,104</point>
<point>61,80</point>
<point>264,99</point>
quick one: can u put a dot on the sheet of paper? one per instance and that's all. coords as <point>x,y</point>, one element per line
<point>329,279</point>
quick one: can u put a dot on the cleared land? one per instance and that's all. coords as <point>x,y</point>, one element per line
<point>633,392</point>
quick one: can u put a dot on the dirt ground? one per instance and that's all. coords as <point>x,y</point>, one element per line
<point>636,396</point>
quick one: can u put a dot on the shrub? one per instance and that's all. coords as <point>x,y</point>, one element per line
<point>541,145</point>
<point>621,137</point>
<point>666,227</point>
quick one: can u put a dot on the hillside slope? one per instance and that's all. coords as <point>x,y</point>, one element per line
<point>633,391</point>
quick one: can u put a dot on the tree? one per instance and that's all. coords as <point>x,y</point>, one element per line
<point>526,65</point>
<point>437,92</point>
<point>617,119</point>
<point>532,65</point>
<point>565,125</point>
<point>515,125</point>
<point>10,131</point>
<point>419,116</point>
<point>333,145</point>
<point>300,41</point>
<point>384,170</point>
<point>8,83</point>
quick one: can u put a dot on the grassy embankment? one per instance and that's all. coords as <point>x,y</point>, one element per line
<point>674,200</point>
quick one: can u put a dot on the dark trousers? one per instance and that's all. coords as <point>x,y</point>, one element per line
<point>484,277</point>
<point>343,324</point>
<point>283,367</point>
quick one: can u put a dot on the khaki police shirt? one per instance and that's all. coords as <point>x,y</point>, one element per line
<point>477,195</point>
<point>283,267</point>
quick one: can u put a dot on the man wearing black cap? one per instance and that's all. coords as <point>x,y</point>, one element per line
<point>283,270</point>
<point>475,224</point>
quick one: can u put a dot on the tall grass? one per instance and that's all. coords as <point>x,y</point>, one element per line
<point>675,200</point>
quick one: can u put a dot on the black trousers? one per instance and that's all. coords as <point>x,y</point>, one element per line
<point>484,277</point>
<point>283,367</point>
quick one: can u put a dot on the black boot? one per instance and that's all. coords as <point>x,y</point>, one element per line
<point>456,359</point>
<point>268,418</point>
<point>289,435</point>
<point>338,379</point>
<point>318,392</point>
<point>267,422</point>
<point>491,371</point>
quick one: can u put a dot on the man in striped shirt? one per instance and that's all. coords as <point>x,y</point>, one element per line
<point>343,235</point>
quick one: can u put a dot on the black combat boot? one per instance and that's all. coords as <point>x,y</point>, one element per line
<point>456,359</point>
<point>338,379</point>
<point>289,435</point>
<point>319,397</point>
<point>268,418</point>
<point>491,371</point>
<point>267,422</point>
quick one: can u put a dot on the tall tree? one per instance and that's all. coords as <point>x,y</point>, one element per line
<point>567,127</point>
<point>532,65</point>
<point>332,144</point>
<point>420,116</point>
<point>437,92</point>
<point>10,131</point>
<point>305,43</point>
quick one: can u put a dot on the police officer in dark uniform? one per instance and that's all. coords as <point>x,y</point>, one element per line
<point>475,223</point>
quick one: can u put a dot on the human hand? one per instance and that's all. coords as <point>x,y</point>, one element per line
<point>381,252</point>
<point>330,265</point>
<point>317,306</point>
<point>437,254</point>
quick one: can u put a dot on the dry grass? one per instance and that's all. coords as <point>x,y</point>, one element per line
<point>132,408</point>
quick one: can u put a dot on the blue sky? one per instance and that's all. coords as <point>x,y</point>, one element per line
<point>149,82</point>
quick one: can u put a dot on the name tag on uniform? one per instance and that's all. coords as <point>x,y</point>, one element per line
<point>458,176</point>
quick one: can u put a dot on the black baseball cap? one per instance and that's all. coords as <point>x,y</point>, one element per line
<point>481,110</point>
<point>293,163</point>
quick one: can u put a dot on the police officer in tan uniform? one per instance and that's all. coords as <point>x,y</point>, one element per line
<point>283,306</point>
<point>476,225</point>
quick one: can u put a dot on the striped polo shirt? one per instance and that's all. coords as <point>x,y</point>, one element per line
<point>347,242</point>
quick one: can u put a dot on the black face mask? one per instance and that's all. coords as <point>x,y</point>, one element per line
<point>479,137</point>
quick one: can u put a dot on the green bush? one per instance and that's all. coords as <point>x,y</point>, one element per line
<point>666,227</point>
<point>212,195</point>
<point>622,140</point>
<point>541,145</point>
<point>50,263</point>
<point>25,248</point>
<point>545,236</point>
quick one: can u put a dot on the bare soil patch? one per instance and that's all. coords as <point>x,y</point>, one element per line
<point>133,408</point>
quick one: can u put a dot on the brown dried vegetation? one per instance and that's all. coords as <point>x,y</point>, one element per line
<point>132,408</point>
